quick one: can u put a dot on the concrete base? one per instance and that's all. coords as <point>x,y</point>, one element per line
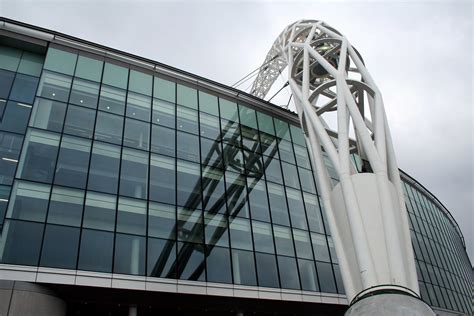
<point>29,299</point>
<point>390,305</point>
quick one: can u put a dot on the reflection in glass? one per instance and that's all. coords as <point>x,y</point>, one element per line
<point>296,207</point>
<point>104,168</point>
<point>243,267</point>
<point>283,241</point>
<point>273,170</point>
<point>29,201</point>
<point>162,179</point>
<point>137,134</point>
<point>134,173</point>
<point>302,157</point>
<point>161,220</point>
<point>65,207</point>
<point>131,216</point>
<point>240,234</point>
<point>303,244</point>
<point>288,273</point>
<point>213,190</point>
<point>291,175</point>
<point>265,123</point>
<point>190,225</point>
<point>20,242</point>
<point>211,153</point>
<point>263,237</point>
<point>309,278</point>
<point>191,262</point>
<point>218,265</point>
<point>258,200</point>
<point>96,251</point>
<point>161,258</point>
<point>187,120</point>
<point>99,211</point>
<point>216,230</point>
<point>84,93</point>
<point>236,194</point>
<point>307,180</point>
<point>138,106</point>
<point>229,110</point>
<point>278,208</point>
<point>247,116</point>
<point>48,114</point>
<point>60,247</point>
<point>314,214</point>
<point>163,113</point>
<point>189,184</point>
<point>209,126</point>
<point>73,162</point>
<point>112,100</point>
<point>320,246</point>
<point>129,254</point>
<point>286,151</point>
<point>38,156</point>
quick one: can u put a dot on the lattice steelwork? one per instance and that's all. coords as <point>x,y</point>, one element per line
<point>366,209</point>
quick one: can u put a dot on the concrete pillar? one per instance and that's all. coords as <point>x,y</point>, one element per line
<point>29,299</point>
<point>390,305</point>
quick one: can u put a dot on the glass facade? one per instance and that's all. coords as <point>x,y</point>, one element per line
<point>108,168</point>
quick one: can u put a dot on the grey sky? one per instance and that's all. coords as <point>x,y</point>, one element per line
<point>419,53</point>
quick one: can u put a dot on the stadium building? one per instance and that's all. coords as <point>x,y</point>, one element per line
<point>129,187</point>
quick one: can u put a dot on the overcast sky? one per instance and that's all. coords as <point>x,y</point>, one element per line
<point>419,53</point>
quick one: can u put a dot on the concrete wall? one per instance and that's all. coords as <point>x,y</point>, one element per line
<point>29,299</point>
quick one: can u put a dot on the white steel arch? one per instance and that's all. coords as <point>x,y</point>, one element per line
<point>366,209</point>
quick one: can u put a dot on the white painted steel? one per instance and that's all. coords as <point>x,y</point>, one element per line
<point>366,209</point>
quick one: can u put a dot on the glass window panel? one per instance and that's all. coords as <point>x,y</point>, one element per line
<point>60,247</point>
<point>241,234</point>
<point>265,123</point>
<point>15,117</point>
<point>138,106</point>
<point>79,121</point>
<point>189,184</point>
<point>307,180</point>
<point>99,211</point>
<point>31,64</point>
<point>85,93</point>
<point>302,158</point>
<point>326,277</point>
<point>211,153</point>
<point>187,96</point>
<point>273,170</point>
<point>140,82</point>
<point>10,146</point>
<point>161,258</point>
<point>320,246</point>
<point>38,156</point>
<point>104,168</point>
<point>218,265</point>
<point>109,128</point>
<point>338,276</point>
<point>9,58</point>
<point>162,179</point>
<point>269,145</point>
<point>247,116</point>
<point>4,198</point>
<point>54,86</point>
<point>332,250</point>
<point>288,273</point>
<point>96,251</point>
<point>6,82</point>
<point>213,190</point>
<point>29,201</point>
<point>73,162</point>
<point>283,241</point>
<point>236,194</point>
<point>191,262</point>
<point>313,212</point>
<point>286,151</point>
<point>164,90</point>
<point>216,230</point>
<point>302,243</point>
<point>20,243</point>
<point>65,207</point>
<point>89,68</point>
<point>250,139</point>
<point>208,103</point>
<point>263,237</point>
<point>258,200</point>
<point>291,175</point>
<point>278,207</point>
<point>161,220</point>
<point>230,132</point>
<point>48,114</point>
<point>229,110</point>
<point>309,278</point>
<point>60,61</point>
<point>131,216</point>
<point>209,126</point>
<point>163,140</point>
<point>187,146</point>
<point>134,174</point>
<point>297,135</point>
<point>129,254</point>
<point>164,113</point>
<point>24,88</point>
<point>190,225</point>
<point>282,129</point>
<point>243,266</point>
<point>115,75</point>
<point>112,100</point>
<point>137,134</point>
<point>267,270</point>
<point>253,163</point>
<point>187,120</point>
<point>296,208</point>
